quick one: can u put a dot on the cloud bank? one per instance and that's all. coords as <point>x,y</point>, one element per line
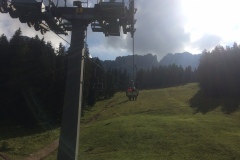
<point>161,29</point>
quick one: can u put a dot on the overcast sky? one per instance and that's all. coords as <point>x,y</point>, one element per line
<point>163,26</point>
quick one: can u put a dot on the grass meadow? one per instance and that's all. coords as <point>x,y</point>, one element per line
<point>161,124</point>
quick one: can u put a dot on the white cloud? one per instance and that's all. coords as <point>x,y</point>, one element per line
<point>8,26</point>
<point>207,41</point>
<point>211,22</point>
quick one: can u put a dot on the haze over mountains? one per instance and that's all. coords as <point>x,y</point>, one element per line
<point>148,61</point>
<point>181,59</point>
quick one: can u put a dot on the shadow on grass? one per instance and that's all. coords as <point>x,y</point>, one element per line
<point>9,131</point>
<point>119,103</point>
<point>4,147</point>
<point>204,103</point>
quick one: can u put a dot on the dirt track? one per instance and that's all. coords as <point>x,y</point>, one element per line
<point>42,153</point>
<point>2,157</point>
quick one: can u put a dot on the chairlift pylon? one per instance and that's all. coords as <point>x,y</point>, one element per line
<point>111,16</point>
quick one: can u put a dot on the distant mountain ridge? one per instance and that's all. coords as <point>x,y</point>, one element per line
<point>126,62</point>
<point>148,61</point>
<point>184,59</point>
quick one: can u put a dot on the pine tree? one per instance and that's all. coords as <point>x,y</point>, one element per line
<point>4,73</point>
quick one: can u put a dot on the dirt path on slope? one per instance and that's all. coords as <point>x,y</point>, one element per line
<point>42,153</point>
<point>2,157</point>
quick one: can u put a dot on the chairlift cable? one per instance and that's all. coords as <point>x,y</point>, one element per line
<point>61,38</point>
<point>58,35</point>
<point>133,55</point>
<point>133,42</point>
<point>86,35</point>
<point>57,3</point>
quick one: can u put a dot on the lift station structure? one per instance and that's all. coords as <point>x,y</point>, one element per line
<point>106,17</point>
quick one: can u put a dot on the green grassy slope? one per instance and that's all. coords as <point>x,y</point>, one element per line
<point>159,125</point>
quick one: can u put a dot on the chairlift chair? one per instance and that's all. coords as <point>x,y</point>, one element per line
<point>132,92</point>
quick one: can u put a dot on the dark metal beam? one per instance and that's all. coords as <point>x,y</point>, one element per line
<point>68,144</point>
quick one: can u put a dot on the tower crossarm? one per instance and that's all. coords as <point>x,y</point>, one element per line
<point>107,17</point>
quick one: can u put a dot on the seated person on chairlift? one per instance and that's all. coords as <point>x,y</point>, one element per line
<point>129,89</point>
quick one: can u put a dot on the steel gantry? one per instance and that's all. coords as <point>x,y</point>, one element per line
<point>107,17</point>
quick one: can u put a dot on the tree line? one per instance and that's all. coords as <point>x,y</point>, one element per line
<point>219,71</point>
<point>219,80</point>
<point>165,76</point>
<point>33,78</point>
